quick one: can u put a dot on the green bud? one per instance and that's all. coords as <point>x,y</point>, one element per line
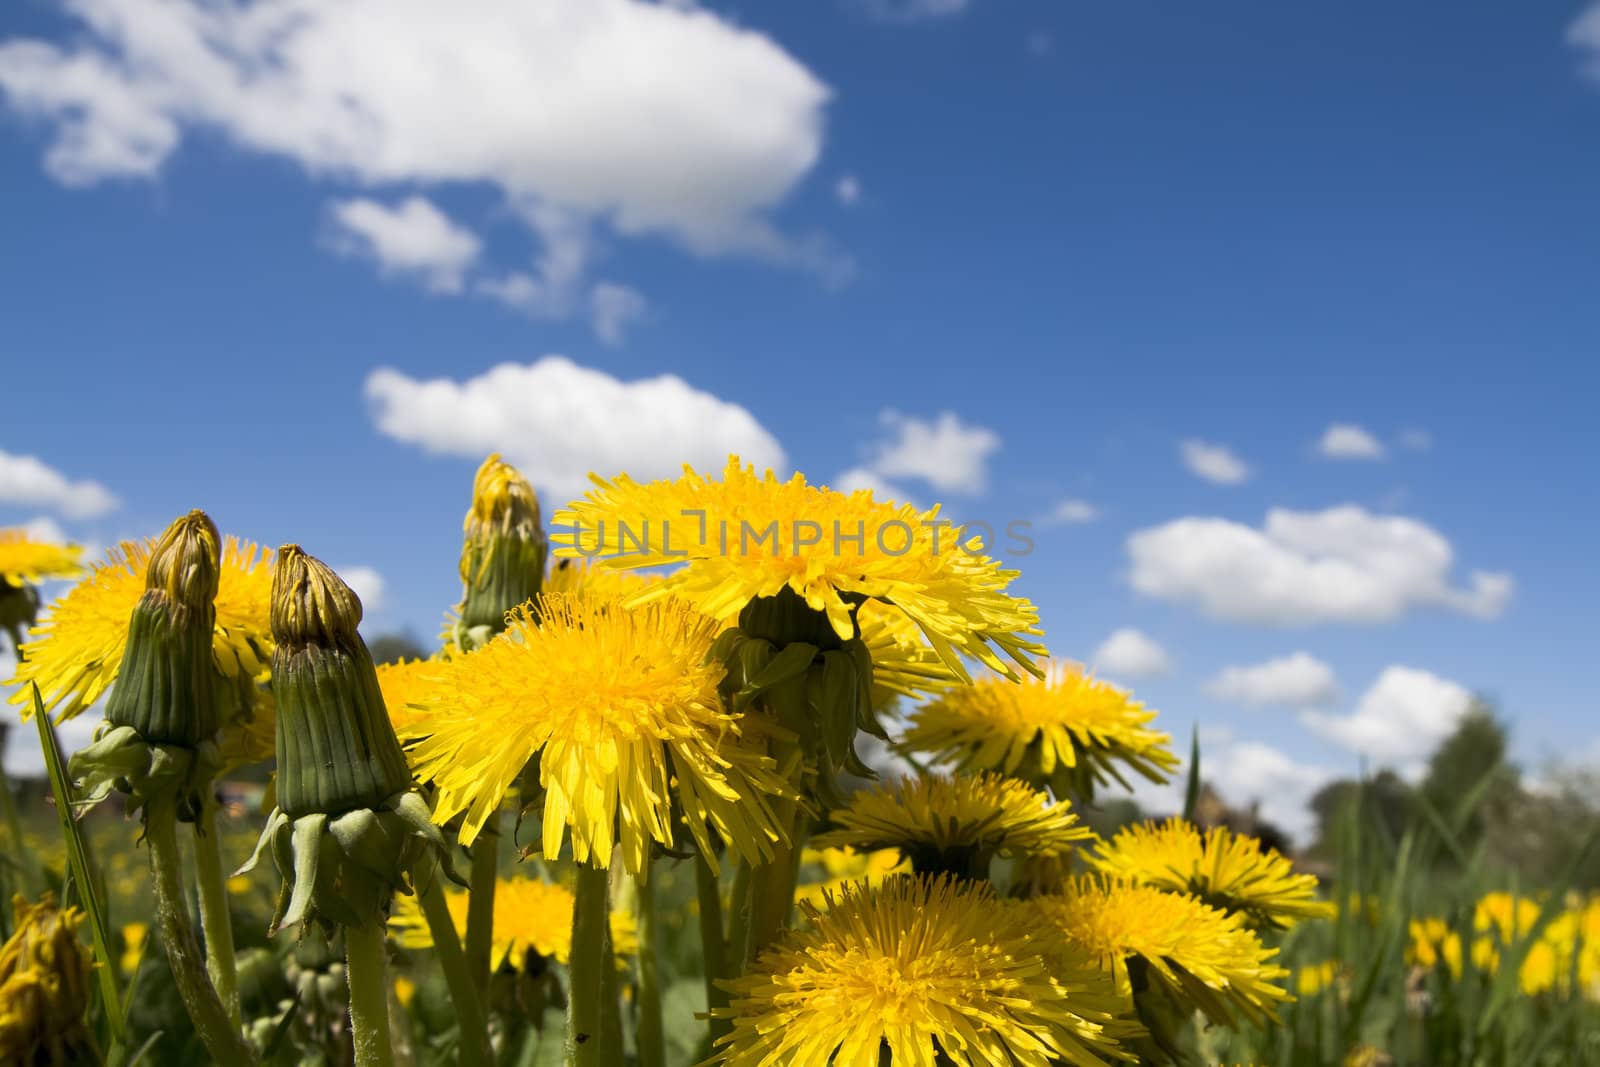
<point>168,686</point>
<point>503,554</point>
<point>336,748</point>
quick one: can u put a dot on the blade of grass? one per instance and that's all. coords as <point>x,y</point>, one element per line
<point>78,860</point>
<point>1191,792</point>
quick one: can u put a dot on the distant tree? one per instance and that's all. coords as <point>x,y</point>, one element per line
<point>1109,814</point>
<point>1470,781</point>
<point>1385,799</point>
<point>393,647</point>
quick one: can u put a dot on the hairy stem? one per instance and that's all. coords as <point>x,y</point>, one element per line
<point>480,901</point>
<point>713,945</point>
<point>211,1022</point>
<point>652,1047</point>
<point>368,968</point>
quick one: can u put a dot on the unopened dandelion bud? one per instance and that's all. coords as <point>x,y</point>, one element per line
<point>44,987</point>
<point>336,748</point>
<point>503,554</point>
<point>167,689</point>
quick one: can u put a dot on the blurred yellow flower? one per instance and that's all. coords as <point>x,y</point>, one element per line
<point>845,866</point>
<point>929,970</point>
<point>77,647</point>
<point>751,536</point>
<point>1066,730</point>
<point>134,935</point>
<point>530,916</point>
<point>621,709</point>
<point>44,987</point>
<point>1224,869</point>
<point>26,561</point>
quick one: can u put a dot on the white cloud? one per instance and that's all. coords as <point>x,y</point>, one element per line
<point>861,478</point>
<point>848,190</point>
<point>1344,440</point>
<point>30,482</point>
<point>1071,513</point>
<point>613,308</point>
<point>1584,35</point>
<point>1399,719</point>
<point>558,421</point>
<point>1040,43</point>
<point>709,130</point>
<point>946,453</point>
<point>1343,564</point>
<point>1299,680</point>
<point>1129,653</point>
<point>1244,773</point>
<point>367,584</point>
<point>414,237</point>
<point>1416,440</point>
<point>44,528</point>
<point>913,10</point>
<point>1214,463</point>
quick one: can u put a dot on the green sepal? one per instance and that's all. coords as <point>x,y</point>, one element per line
<point>121,759</point>
<point>499,572</point>
<point>343,870</point>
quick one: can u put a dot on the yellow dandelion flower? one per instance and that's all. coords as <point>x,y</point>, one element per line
<point>530,916</point>
<point>843,867</point>
<point>405,684</point>
<point>1224,869</point>
<point>929,971</point>
<point>1568,947</point>
<point>1203,957</point>
<point>956,824</point>
<point>903,663</point>
<point>77,647</point>
<point>1067,730</point>
<point>44,987</point>
<point>134,935</point>
<point>1433,943</point>
<point>749,537</point>
<point>25,561</point>
<point>621,708</point>
<point>1315,978</point>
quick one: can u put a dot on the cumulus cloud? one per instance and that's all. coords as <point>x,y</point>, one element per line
<point>1130,654</point>
<point>1343,564</point>
<point>1401,718</point>
<point>1071,512</point>
<point>710,130</point>
<point>413,237</point>
<point>1245,773</point>
<point>948,454</point>
<point>558,421</point>
<point>28,481</point>
<point>912,10</point>
<point>860,478</point>
<point>1584,35</point>
<point>613,308</point>
<point>1344,440</point>
<point>367,584</point>
<point>1215,463</point>
<point>1298,680</point>
<point>848,190</point>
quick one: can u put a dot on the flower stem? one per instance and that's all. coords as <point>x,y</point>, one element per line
<point>480,901</point>
<point>214,921</point>
<point>652,1047</point>
<point>211,1022</point>
<point>713,946</point>
<point>587,970</point>
<point>772,885</point>
<point>367,961</point>
<point>475,1048</point>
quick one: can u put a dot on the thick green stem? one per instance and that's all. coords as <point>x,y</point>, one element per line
<point>480,901</point>
<point>738,920</point>
<point>772,885</point>
<point>211,1022</point>
<point>475,1049</point>
<point>214,921</point>
<point>585,1018</point>
<point>713,946</point>
<point>368,967</point>
<point>652,1046</point>
<point>610,1005</point>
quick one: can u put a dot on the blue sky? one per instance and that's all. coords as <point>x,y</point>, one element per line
<point>1008,256</point>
